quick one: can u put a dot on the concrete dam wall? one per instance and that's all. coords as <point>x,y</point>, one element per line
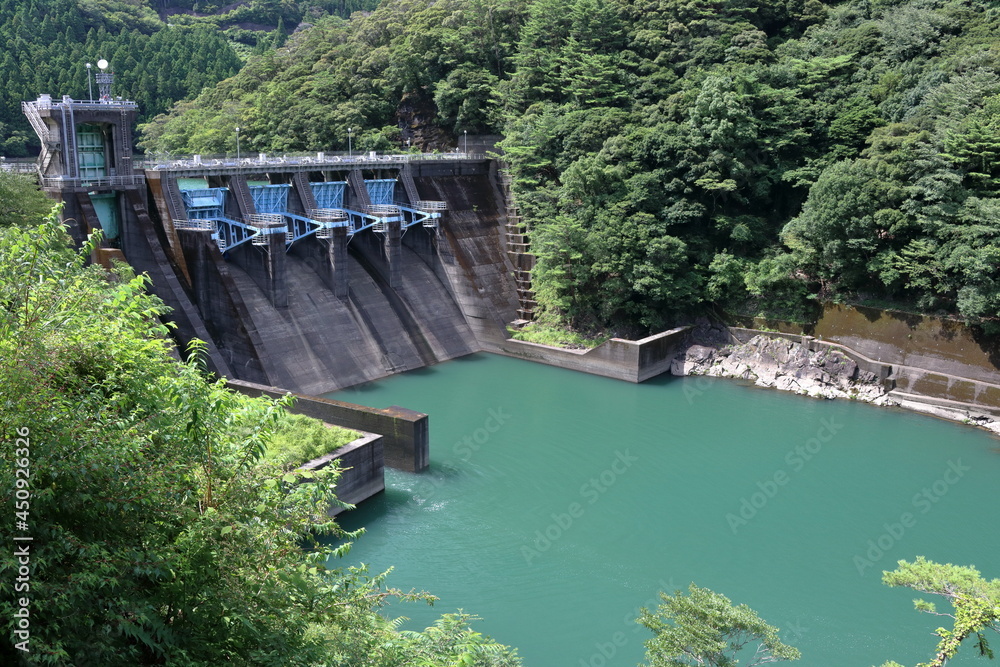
<point>313,318</point>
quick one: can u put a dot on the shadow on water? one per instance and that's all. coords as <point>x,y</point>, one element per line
<point>368,387</point>
<point>476,357</point>
<point>661,380</point>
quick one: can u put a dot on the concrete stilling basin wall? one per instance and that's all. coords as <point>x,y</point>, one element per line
<point>629,360</point>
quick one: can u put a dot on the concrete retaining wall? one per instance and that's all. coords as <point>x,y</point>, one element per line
<point>362,469</point>
<point>931,356</point>
<point>937,358</point>
<point>630,360</point>
<point>406,438</point>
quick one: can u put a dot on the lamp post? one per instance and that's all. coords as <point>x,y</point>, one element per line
<point>237,145</point>
<point>104,81</point>
<point>90,87</point>
<point>350,153</point>
<point>465,139</point>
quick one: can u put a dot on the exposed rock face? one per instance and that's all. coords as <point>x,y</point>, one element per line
<point>786,365</point>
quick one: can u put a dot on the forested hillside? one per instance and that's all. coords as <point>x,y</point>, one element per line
<point>161,51</point>
<point>672,156</point>
<point>753,154</point>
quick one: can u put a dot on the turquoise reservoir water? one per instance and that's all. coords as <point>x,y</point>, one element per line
<point>558,503</point>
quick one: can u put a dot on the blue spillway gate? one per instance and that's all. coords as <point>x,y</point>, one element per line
<point>270,198</point>
<point>328,194</point>
<point>209,206</point>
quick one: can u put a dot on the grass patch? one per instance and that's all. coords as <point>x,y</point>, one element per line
<point>300,439</point>
<point>556,337</point>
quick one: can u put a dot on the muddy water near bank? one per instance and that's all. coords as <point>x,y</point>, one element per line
<point>558,503</point>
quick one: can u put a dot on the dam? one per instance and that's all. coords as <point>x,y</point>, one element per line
<point>310,273</point>
<point>305,273</point>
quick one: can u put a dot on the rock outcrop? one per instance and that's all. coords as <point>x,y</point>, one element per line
<point>786,365</point>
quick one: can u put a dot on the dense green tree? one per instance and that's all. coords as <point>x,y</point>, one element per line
<point>703,627</point>
<point>975,602</point>
<point>974,147</point>
<point>22,204</point>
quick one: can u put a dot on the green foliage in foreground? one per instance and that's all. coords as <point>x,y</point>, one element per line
<point>22,204</point>
<point>161,534</point>
<point>975,602</point>
<point>298,439</point>
<point>703,627</point>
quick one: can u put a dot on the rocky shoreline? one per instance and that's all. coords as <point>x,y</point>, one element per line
<point>785,365</point>
<point>789,365</point>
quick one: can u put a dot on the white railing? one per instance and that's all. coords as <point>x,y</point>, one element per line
<point>382,210</point>
<point>267,219</point>
<point>19,166</point>
<point>201,162</point>
<point>266,224</point>
<point>195,224</point>
<point>327,214</point>
<point>430,205</point>
<point>111,181</point>
<point>46,102</point>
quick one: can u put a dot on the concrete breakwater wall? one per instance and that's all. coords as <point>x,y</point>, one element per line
<point>362,469</point>
<point>629,360</point>
<point>405,434</point>
<point>930,356</point>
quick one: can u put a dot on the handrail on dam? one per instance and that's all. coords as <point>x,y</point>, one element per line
<point>317,160</point>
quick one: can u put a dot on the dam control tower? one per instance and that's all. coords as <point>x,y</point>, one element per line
<point>86,159</point>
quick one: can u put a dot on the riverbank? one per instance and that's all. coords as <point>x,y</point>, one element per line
<point>810,367</point>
